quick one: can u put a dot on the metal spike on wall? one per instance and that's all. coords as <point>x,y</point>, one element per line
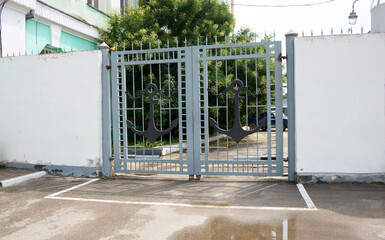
<point>311,33</point>
<point>177,42</point>
<point>342,31</point>
<point>303,33</point>
<point>116,46</point>
<point>331,31</point>
<point>322,31</point>
<point>216,40</point>
<point>362,30</point>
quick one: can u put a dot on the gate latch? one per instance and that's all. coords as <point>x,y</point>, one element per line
<point>280,57</point>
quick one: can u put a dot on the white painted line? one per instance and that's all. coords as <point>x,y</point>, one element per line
<point>16,180</point>
<point>181,204</point>
<point>285,232</point>
<point>55,196</point>
<point>72,188</point>
<point>306,197</point>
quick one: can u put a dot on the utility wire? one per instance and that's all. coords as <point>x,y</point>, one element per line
<point>287,5</point>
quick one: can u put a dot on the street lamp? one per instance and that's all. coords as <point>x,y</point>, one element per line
<point>353,15</point>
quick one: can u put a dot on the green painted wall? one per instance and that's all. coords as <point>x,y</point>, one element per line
<point>68,41</point>
<point>37,36</point>
<point>80,10</point>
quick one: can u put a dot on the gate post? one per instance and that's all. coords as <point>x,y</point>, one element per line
<point>291,100</point>
<point>106,113</point>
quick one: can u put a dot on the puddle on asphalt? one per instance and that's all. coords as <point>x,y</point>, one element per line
<point>223,228</point>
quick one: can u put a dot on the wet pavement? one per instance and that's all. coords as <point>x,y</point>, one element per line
<point>170,207</point>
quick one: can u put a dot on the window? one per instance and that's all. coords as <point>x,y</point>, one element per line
<point>93,3</point>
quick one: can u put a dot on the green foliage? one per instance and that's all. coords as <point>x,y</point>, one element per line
<point>158,22</point>
<point>161,23</point>
<point>252,72</point>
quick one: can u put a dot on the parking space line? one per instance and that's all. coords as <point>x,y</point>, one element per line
<point>306,197</point>
<point>55,196</point>
<point>72,188</point>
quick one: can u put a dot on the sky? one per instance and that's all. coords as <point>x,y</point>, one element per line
<point>333,14</point>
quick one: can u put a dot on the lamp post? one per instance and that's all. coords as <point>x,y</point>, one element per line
<point>353,15</point>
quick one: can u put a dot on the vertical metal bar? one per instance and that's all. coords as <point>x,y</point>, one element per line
<point>217,102</point>
<point>268,110</point>
<point>106,111</point>
<point>115,110</point>
<point>227,113</point>
<point>169,102</point>
<point>180,110</point>
<point>160,102</point>
<point>291,101</point>
<point>134,107</point>
<point>195,124</point>
<point>206,108</point>
<point>124,109</point>
<point>256,102</point>
<point>278,111</point>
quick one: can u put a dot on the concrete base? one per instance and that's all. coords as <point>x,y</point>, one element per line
<point>16,180</point>
<point>340,177</point>
<point>74,171</point>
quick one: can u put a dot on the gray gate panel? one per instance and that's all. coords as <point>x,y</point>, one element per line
<point>229,164</point>
<point>137,67</point>
<point>257,154</point>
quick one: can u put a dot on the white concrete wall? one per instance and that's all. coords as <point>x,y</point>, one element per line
<point>12,32</point>
<point>340,104</point>
<point>50,109</point>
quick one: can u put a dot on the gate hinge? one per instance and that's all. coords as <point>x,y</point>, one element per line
<point>280,57</point>
<point>108,67</point>
<point>111,158</point>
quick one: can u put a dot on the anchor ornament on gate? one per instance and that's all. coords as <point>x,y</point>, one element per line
<point>237,133</point>
<point>152,132</point>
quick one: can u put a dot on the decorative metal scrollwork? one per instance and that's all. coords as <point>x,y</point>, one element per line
<point>237,133</point>
<point>152,132</point>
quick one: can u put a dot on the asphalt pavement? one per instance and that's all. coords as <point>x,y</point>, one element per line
<point>171,207</point>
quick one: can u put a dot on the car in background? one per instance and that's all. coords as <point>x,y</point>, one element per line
<point>252,120</point>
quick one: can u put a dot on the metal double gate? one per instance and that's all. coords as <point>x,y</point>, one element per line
<point>201,110</point>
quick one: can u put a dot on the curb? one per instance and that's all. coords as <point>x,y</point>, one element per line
<point>16,180</point>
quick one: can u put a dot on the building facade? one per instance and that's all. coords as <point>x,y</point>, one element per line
<point>38,26</point>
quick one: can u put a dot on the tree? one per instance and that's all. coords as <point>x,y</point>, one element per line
<point>160,21</point>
